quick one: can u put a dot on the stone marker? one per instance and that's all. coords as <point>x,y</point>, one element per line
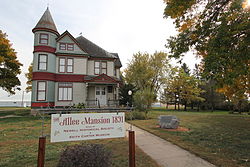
<point>168,121</point>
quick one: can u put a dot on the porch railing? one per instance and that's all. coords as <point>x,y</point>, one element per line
<point>113,103</point>
<point>93,103</point>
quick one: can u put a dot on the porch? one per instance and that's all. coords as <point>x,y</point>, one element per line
<point>102,95</point>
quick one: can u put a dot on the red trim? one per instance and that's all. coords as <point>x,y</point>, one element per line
<point>71,55</point>
<point>103,78</point>
<point>42,104</point>
<point>48,49</point>
<point>99,58</point>
<point>43,76</point>
<point>69,78</point>
<point>45,29</point>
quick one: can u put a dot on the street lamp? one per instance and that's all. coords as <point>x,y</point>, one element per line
<point>129,93</point>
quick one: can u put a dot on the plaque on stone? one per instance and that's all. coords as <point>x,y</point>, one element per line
<point>168,121</point>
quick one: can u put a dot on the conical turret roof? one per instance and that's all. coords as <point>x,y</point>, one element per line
<point>46,22</point>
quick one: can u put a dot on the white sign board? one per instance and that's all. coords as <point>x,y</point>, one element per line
<point>73,127</point>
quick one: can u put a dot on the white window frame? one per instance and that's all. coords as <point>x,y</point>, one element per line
<point>42,62</point>
<point>65,91</point>
<point>41,91</point>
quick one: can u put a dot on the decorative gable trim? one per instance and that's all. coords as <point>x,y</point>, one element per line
<point>72,55</point>
<point>71,37</point>
<point>103,78</point>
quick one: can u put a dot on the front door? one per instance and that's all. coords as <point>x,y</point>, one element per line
<point>100,94</point>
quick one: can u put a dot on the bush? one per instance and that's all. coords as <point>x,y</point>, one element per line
<point>79,105</point>
<point>93,155</point>
<point>143,100</point>
<point>136,115</point>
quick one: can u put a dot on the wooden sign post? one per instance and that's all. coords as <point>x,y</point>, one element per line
<point>131,148</point>
<point>41,151</point>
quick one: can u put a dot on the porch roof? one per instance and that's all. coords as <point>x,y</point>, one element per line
<point>101,79</point>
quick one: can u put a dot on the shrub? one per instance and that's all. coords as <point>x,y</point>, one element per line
<point>136,115</point>
<point>93,155</point>
<point>143,100</point>
<point>79,106</point>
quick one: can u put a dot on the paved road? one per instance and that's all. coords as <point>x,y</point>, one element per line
<point>165,153</point>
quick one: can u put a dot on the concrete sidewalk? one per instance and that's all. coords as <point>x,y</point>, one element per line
<point>165,153</point>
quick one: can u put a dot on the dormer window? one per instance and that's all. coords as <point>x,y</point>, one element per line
<point>44,39</point>
<point>66,46</point>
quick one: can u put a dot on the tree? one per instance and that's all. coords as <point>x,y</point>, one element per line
<point>185,68</point>
<point>9,66</point>
<point>219,33</point>
<point>29,78</point>
<point>124,98</point>
<point>213,99</point>
<point>183,88</point>
<point>147,71</point>
<point>143,100</point>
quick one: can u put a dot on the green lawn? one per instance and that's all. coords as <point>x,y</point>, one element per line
<point>219,137</point>
<point>19,143</point>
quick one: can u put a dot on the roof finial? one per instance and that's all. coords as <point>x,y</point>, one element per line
<point>48,5</point>
<point>80,34</point>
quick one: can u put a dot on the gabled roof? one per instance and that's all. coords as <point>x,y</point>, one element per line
<point>102,78</point>
<point>92,49</point>
<point>46,22</point>
<point>117,60</point>
<point>71,37</point>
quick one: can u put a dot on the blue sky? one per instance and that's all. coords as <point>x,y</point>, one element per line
<point>121,26</point>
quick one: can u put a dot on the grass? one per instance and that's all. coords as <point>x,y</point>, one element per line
<point>17,111</point>
<point>219,137</point>
<point>19,143</point>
